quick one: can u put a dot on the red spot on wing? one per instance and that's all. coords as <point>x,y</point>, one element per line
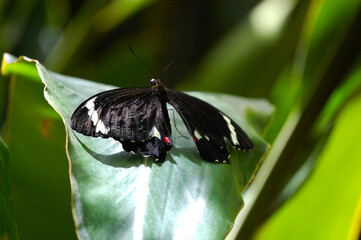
<point>195,139</point>
<point>165,139</point>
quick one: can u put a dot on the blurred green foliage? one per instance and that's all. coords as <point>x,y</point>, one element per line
<point>302,55</point>
<point>38,166</point>
<point>8,227</point>
<point>311,213</point>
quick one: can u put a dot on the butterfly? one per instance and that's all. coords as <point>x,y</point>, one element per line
<point>138,118</point>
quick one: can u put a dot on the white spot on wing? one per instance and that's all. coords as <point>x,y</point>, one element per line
<point>94,116</point>
<point>101,127</point>
<point>156,133</point>
<point>232,130</point>
<point>90,104</point>
<point>197,135</point>
<point>90,112</point>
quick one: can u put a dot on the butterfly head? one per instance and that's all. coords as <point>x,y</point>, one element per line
<point>154,82</point>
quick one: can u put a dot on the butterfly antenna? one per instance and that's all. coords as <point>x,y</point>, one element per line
<point>130,48</point>
<point>168,65</point>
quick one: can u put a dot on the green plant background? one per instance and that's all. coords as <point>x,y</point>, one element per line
<point>301,55</point>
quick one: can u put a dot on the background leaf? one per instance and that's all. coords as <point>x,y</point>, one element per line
<point>8,227</point>
<point>327,207</point>
<point>328,59</point>
<point>38,168</point>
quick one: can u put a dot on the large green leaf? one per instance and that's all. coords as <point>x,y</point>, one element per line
<point>120,195</point>
<point>8,228</point>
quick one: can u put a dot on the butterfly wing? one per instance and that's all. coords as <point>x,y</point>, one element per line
<point>134,116</point>
<point>208,126</point>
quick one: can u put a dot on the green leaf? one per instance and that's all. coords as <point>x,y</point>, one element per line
<point>22,67</point>
<point>8,228</point>
<point>35,135</point>
<point>351,86</point>
<point>120,195</point>
<point>117,11</point>
<point>3,99</point>
<point>328,205</point>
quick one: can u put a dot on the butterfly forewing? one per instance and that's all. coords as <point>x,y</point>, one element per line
<point>133,116</point>
<point>208,126</point>
<point>99,115</point>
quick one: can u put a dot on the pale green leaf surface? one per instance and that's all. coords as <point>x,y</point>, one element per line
<point>328,205</point>
<point>123,196</point>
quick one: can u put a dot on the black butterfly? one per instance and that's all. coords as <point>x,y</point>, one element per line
<point>138,118</point>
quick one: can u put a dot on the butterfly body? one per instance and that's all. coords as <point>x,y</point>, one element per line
<point>138,118</point>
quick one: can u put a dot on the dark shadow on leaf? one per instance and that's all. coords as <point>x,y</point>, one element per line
<point>124,159</point>
<point>119,160</point>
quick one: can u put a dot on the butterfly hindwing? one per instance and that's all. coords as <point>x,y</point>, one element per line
<point>133,116</point>
<point>208,126</point>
